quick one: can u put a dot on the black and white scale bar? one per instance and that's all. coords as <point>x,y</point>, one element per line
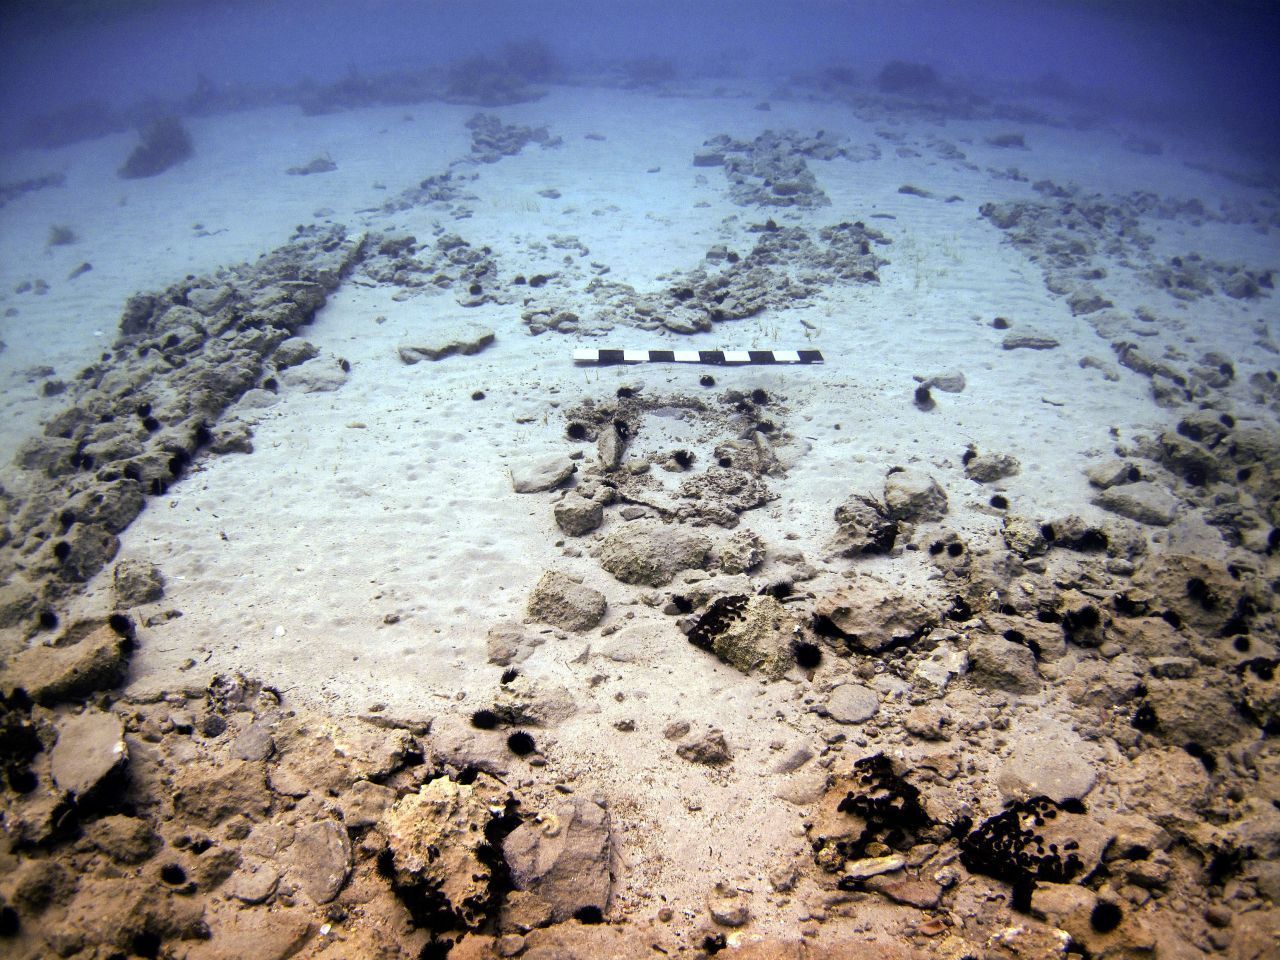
<point>716,357</point>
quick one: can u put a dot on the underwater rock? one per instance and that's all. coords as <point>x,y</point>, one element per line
<point>508,643</point>
<point>564,602</point>
<point>320,859</point>
<point>728,906</point>
<point>869,615</point>
<point>125,839</point>
<point>1028,341</point>
<point>1041,765</point>
<point>1166,785</point>
<point>209,793</point>
<point>135,582</point>
<point>576,515</point>
<point>1142,502</point>
<point>165,142</point>
<point>950,382</point>
<point>872,804</point>
<point>467,340</point>
<point>990,467</point>
<point>651,553</point>
<point>531,701</point>
<point>913,495</point>
<point>491,139</point>
<point>866,528</point>
<point>542,475</point>
<point>749,633</point>
<point>294,351</point>
<point>710,750</point>
<point>564,857</point>
<point>84,550</point>
<point>441,841</point>
<point>365,803</point>
<point>90,749</point>
<point>1111,473</point>
<point>1000,663</point>
<point>744,551</point>
<point>90,658</point>
<point>321,164</point>
<point>851,703</point>
<point>1034,841</point>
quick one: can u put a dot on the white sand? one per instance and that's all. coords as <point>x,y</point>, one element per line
<point>391,495</point>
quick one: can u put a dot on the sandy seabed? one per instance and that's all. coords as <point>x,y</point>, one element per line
<point>370,563</point>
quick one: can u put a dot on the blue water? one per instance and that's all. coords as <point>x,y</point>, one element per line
<point>1210,64</point>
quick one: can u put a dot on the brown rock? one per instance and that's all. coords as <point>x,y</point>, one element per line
<point>565,859</point>
<point>561,601</point>
<point>320,859</point>
<point>90,748</point>
<point>913,892</point>
<point>710,750</point>
<point>873,615</point>
<point>437,840</point>
<point>125,839</point>
<point>651,553</point>
<point>90,657</point>
<point>208,793</point>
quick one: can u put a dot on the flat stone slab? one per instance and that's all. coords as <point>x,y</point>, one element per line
<point>542,475</point>
<point>467,339</point>
<point>90,747</point>
<point>1143,502</point>
<point>1029,341</point>
<point>1048,762</point>
<point>852,703</point>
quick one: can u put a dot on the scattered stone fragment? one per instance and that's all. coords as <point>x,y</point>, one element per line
<point>561,601</point>
<point>744,551</point>
<point>711,750</point>
<point>508,643</point>
<point>950,382</point>
<point>125,839</point>
<point>564,857</point>
<point>869,615</point>
<point>89,659</point>
<point>928,723</point>
<point>873,866</point>
<point>1028,341</point>
<point>1111,473</point>
<point>136,582</point>
<point>210,793</point>
<point>365,803</point>
<point>542,475</point>
<point>320,859</point>
<point>294,351</point>
<point>466,340</point>
<point>913,495</point>
<point>728,906</point>
<point>1143,502</point>
<point>90,748</point>
<point>1003,664</point>
<point>255,743</point>
<point>866,528</point>
<point>990,467</point>
<point>1045,767</point>
<point>254,881</point>
<point>576,515</point>
<point>910,891</point>
<point>852,703</point>
<point>437,840</point>
<point>748,633</point>
<point>651,553</point>
<point>942,665</point>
